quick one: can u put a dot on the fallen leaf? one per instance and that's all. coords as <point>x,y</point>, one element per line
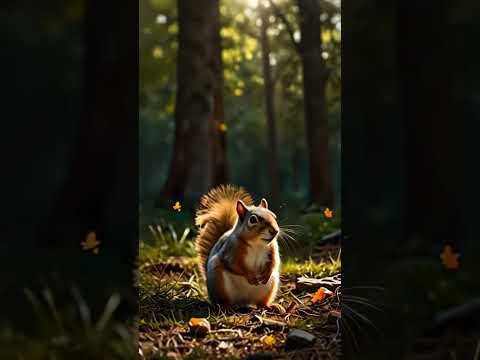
<point>449,258</point>
<point>268,340</point>
<point>321,294</point>
<point>199,326</point>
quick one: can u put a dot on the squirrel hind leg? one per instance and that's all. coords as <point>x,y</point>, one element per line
<point>269,298</point>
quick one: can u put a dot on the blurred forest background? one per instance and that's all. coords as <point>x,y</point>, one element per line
<point>240,91</point>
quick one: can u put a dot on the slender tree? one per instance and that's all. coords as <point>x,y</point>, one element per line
<point>218,128</point>
<point>315,78</point>
<point>269,88</point>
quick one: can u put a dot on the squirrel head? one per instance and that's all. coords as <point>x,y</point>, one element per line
<point>257,222</point>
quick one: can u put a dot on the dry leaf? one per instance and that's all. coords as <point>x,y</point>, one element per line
<point>321,294</point>
<point>199,326</point>
<point>449,258</point>
<point>268,340</point>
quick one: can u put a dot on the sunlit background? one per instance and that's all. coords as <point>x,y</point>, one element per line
<point>244,101</point>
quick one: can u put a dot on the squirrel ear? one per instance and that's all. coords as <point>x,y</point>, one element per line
<point>241,208</point>
<point>264,204</point>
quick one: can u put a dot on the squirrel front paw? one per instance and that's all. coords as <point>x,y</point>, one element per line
<point>266,273</point>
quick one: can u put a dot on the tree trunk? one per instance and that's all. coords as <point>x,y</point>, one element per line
<point>273,171</point>
<point>190,168</point>
<point>315,78</point>
<point>218,131</point>
<point>108,125</point>
<point>434,141</point>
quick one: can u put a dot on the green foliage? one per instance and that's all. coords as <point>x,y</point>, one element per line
<point>315,226</point>
<point>243,94</point>
<point>311,268</point>
<point>167,242</point>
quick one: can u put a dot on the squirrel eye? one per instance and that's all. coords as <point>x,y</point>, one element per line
<point>253,220</point>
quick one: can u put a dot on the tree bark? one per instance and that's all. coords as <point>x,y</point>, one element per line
<point>434,142</point>
<point>272,160</point>
<point>191,163</point>
<point>105,131</point>
<point>315,78</point>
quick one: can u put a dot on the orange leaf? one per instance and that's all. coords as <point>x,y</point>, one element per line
<point>177,206</point>
<point>320,295</point>
<point>328,213</point>
<point>194,322</point>
<point>449,258</point>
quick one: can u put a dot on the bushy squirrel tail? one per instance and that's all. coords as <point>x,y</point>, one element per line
<point>215,215</point>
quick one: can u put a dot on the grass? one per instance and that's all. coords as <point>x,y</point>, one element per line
<point>311,268</point>
<point>172,292</point>
<point>69,331</point>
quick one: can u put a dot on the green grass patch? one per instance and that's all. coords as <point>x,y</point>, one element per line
<point>311,268</point>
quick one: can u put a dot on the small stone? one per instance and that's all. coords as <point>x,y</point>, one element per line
<point>298,339</point>
<point>199,327</point>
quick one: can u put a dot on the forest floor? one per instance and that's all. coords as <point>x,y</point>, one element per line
<point>172,293</point>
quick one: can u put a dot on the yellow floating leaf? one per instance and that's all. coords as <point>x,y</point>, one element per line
<point>328,213</point>
<point>90,242</point>
<point>449,258</point>
<point>177,206</point>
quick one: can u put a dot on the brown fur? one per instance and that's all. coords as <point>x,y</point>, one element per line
<point>221,293</point>
<point>267,301</point>
<point>216,214</point>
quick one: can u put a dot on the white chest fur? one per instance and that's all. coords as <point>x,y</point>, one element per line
<point>239,290</point>
<point>257,256</point>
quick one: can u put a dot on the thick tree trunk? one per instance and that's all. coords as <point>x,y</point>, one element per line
<point>315,78</point>
<point>434,141</point>
<point>272,160</point>
<point>109,123</point>
<point>191,169</point>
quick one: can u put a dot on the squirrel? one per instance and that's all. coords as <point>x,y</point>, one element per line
<point>238,249</point>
